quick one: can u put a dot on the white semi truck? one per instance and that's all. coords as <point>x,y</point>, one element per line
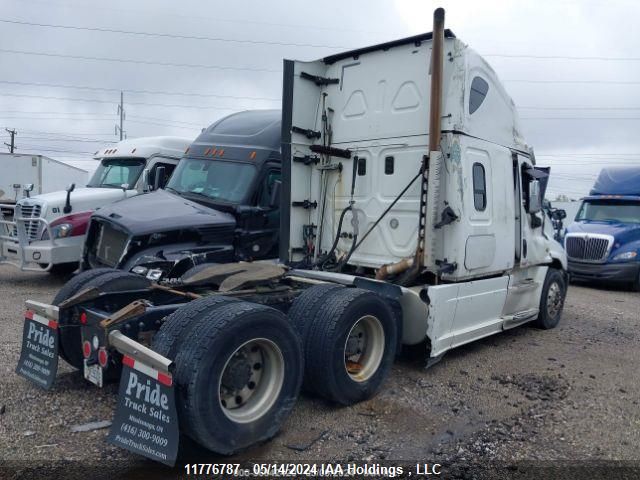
<point>411,214</point>
<point>46,232</point>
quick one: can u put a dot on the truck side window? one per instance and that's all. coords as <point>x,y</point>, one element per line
<point>168,170</point>
<point>264,197</point>
<point>479,187</point>
<point>477,94</point>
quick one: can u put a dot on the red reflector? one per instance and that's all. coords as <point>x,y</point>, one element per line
<point>86,349</point>
<point>128,361</point>
<point>53,324</point>
<point>83,318</point>
<point>28,314</point>
<point>165,379</point>
<point>103,357</point>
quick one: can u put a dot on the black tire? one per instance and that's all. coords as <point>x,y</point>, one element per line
<point>105,280</point>
<point>307,302</point>
<point>201,363</point>
<point>177,326</point>
<point>68,290</point>
<point>326,345</point>
<point>76,284</point>
<point>552,298</point>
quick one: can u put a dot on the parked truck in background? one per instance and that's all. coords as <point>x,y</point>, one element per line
<point>36,174</point>
<point>221,205</point>
<point>411,215</point>
<point>46,232</point>
<point>603,243</point>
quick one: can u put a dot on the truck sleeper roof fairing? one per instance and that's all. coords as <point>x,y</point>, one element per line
<point>238,135</point>
<point>144,147</point>
<point>617,181</point>
<point>497,121</point>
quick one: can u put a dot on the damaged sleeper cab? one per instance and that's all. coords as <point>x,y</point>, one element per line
<point>395,230</point>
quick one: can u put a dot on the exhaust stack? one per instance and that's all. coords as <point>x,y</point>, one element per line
<point>437,54</point>
<point>431,164</point>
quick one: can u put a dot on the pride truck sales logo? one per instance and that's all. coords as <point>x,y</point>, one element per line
<point>39,356</point>
<point>146,421</point>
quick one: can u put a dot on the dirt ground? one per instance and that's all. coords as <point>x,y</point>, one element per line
<point>565,397</point>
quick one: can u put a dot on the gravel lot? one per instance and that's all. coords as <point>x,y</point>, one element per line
<point>567,394</point>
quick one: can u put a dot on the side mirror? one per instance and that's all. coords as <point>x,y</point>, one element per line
<point>535,202</point>
<point>67,204</point>
<point>158,178</point>
<point>274,200</point>
<point>560,214</point>
<point>145,180</point>
<point>27,189</point>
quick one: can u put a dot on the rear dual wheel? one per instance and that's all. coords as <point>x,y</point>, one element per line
<point>350,337</point>
<point>239,371</point>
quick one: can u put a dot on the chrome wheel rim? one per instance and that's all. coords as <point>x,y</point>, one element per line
<point>554,299</point>
<point>364,348</point>
<point>251,380</point>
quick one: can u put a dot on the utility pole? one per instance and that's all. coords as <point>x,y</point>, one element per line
<point>120,128</point>
<point>12,145</point>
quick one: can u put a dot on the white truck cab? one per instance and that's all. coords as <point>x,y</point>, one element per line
<point>46,232</point>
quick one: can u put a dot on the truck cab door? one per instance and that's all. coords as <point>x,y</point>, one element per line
<point>259,227</point>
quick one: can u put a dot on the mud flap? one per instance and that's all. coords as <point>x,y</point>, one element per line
<point>38,361</point>
<point>146,420</point>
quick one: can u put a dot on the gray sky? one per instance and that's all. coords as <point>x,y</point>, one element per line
<point>579,114</point>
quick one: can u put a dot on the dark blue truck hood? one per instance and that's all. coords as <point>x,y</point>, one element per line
<point>162,211</point>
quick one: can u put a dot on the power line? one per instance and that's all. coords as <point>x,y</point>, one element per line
<point>49,139</point>
<point>243,22</point>
<point>168,35</point>
<point>145,92</point>
<point>139,62</point>
<point>67,134</point>
<point>93,100</point>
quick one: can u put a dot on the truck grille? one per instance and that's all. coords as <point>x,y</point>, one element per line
<point>110,245</point>
<point>32,228</point>
<point>588,248</point>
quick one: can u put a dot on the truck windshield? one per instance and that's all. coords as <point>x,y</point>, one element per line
<point>220,180</point>
<point>609,211</point>
<point>114,172</point>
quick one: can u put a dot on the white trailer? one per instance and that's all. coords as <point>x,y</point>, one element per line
<point>411,214</point>
<point>17,170</point>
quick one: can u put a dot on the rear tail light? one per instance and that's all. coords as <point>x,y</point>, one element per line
<point>103,357</point>
<point>86,349</point>
<point>83,318</point>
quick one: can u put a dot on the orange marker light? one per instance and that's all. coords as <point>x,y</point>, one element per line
<point>252,155</point>
<point>213,152</point>
<point>221,152</point>
<point>206,152</point>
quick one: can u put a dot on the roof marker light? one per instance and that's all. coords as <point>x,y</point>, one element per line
<point>206,152</point>
<point>221,152</point>
<point>186,151</point>
<point>213,152</point>
<point>134,150</point>
<point>252,155</point>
